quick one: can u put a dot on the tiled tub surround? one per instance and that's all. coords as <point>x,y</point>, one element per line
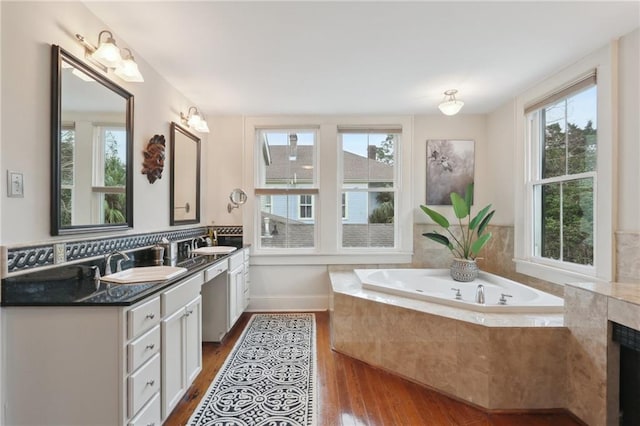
<point>593,359</point>
<point>495,361</point>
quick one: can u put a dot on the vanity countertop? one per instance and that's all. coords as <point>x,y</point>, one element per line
<point>73,285</point>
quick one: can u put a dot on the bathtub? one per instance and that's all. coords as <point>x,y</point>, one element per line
<point>436,285</point>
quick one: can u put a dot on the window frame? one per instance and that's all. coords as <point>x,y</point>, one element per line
<point>328,206</point>
<point>395,189</point>
<point>604,183</point>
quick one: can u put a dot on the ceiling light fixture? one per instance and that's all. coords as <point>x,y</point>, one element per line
<point>450,105</point>
<point>108,56</point>
<point>195,120</point>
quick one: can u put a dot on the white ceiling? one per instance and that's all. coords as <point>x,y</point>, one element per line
<point>359,57</point>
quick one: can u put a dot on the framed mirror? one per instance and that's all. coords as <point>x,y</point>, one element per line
<point>185,176</point>
<point>91,149</point>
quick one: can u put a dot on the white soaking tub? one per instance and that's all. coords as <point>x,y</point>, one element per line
<point>437,286</point>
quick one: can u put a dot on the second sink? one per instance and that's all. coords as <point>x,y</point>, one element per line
<point>144,274</point>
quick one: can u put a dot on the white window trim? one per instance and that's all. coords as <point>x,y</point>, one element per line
<point>604,61</point>
<point>327,221</point>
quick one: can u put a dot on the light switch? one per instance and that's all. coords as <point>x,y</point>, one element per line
<point>15,184</point>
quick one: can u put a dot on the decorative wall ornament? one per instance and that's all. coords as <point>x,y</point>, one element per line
<point>154,158</point>
<point>450,168</point>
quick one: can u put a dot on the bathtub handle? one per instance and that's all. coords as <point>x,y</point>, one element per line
<point>503,298</point>
<point>458,294</point>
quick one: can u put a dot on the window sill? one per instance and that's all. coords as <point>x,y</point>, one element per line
<point>551,273</point>
<point>331,259</point>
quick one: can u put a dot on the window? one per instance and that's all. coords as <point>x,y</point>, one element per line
<point>564,133</point>
<point>317,203</point>
<point>287,187</point>
<point>67,175</point>
<point>305,207</point>
<point>564,210</point>
<point>109,174</point>
<point>369,180</point>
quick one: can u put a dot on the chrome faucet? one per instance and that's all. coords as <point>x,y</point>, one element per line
<point>194,242</point>
<point>107,268</point>
<point>480,294</point>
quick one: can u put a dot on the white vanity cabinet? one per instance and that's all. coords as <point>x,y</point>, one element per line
<point>236,287</point>
<point>102,365</point>
<point>181,340</point>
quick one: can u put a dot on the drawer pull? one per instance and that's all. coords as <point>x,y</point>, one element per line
<point>151,382</point>
<point>151,424</point>
<point>151,316</point>
<point>151,346</point>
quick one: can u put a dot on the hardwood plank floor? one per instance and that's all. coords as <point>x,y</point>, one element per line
<point>352,393</point>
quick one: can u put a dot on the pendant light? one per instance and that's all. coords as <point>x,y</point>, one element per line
<point>450,105</point>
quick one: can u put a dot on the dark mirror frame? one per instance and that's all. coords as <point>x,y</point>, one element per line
<point>57,55</point>
<point>176,128</point>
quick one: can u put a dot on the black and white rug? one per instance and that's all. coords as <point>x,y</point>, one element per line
<point>269,377</point>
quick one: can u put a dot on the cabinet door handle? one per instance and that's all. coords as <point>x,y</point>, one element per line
<point>151,316</point>
<point>151,382</point>
<point>151,346</point>
<point>151,424</point>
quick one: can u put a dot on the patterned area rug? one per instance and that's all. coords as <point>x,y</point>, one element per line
<point>269,377</point>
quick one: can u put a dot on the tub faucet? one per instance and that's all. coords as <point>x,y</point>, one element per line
<point>480,294</point>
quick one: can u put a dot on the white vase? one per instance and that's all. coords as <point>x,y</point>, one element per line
<point>464,270</point>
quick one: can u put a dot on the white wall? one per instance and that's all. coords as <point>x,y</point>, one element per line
<point>224,163</point>
<point>629,133</point>
<point>28,29</point>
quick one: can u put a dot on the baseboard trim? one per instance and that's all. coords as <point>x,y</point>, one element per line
<point>288,303</point>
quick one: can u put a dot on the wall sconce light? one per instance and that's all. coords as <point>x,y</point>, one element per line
<point>195,120</point>
<point>107,56</point>
<point>128,69</point>
<point>450,105</point>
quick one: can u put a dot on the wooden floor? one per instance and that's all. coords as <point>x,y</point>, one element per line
<point>352,393</point>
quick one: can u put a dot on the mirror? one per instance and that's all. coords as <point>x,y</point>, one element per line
<point>237,197</point>
<point>91,149</point>
<point>185,176</point>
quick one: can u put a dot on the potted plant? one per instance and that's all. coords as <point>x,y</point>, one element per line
<point>465,248</point>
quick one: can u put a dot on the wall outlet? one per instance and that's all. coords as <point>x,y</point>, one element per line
<point>59,253</point>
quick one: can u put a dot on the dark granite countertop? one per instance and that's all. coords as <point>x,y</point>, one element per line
<point>74,285</point>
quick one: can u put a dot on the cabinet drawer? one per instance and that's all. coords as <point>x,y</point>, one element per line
<point>235,261</point>
<point>180,295</point>
<point>215,270</point>
<point>143,384</point>
<point>143,317</point>
<point>150,415</point>
<point>143,348</point>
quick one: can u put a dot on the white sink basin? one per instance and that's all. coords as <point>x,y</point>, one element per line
<point>214,250</point>
<point>144,274</point>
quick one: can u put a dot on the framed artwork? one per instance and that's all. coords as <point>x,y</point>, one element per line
<point>450,167</point>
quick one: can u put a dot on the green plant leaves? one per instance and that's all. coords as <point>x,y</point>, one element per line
<point>474,222</point>
<point>460,207</point>
<point>439,238</point>
<point>485,222</point>
<point>436,217</point>
<point>463,247</point>
<point>480,242</point>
